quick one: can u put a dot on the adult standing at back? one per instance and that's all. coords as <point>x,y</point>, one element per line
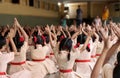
<point>105,15</point>
<point>79,16</point>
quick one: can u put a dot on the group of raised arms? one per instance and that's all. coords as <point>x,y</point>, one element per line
<point>86,51</point>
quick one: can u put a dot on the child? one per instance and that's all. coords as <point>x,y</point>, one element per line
<point>5,58</point>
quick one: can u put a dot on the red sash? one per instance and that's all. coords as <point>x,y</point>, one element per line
<point>51,53</point>
<point>2,73</point>
<point>17,63</point>
<point>82,60</point>
<point>38,60</point>
<point>93,56</point>
<point>66,71</point>
<point>98,54</point>
<point>47,57</point>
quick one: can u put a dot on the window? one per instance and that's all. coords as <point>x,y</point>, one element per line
<point>15,1</point>
<point>31,3</point>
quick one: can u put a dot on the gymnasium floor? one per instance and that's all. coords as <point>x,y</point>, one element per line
<point>53,76</point>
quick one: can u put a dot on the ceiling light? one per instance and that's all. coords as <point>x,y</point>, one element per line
<point>59,3</point>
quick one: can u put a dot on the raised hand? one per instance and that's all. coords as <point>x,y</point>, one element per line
<point>108,41</point>
<point>16,23</point>
<point>21,29</point>
<point>116,30</point>
<point>88,27</point>
<point>47,28</point>
<point>104,33</point>
<point>11,33</point>
<point>61,29</point>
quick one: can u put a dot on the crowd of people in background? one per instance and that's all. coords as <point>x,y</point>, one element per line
<point>99,19</point>
<point>85,51</point>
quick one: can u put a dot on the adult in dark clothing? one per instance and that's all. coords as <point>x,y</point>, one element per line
<point>79,16</point>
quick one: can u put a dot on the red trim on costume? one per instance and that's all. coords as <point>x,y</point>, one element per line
<point>17,63</point>
<point>47,57</point>
<point>38,60</point>
<point>51,53</point>
<point>82,60</point>
<point>93,56</point>
<point>2,73</point>
<point>66,70</point>
<point>98,54</point>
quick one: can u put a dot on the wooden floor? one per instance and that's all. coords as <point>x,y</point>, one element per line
<point>53,76</point>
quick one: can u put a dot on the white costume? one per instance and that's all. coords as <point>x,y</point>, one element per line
<point>93,53</point>
<point>4,60</point>
<point>19,62</point>
<point>65,66</point>
<point>40,65</point>
<point>99,49</point>
<point>83,62</point>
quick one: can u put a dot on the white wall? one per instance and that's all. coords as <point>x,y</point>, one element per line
<point>96,9</point>
<point>74,6</point>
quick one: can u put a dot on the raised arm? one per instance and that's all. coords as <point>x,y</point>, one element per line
<point>61,29</point>
<point>49,33</point>
<point>21,29</point>
<point>100,61</point>
<point>87,41</point>
<point>84,31</point>
<point>95,34</point>
<point>11,35</point>
<point>68,31</point>
<point>116,45</point>
<point>54,36</point>
<point>75,35</point>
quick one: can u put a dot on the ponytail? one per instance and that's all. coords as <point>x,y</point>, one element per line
<point>88,48</point>
<point>68,56</point>
<point>66,44</point>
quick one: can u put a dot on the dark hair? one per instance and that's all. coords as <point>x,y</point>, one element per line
<point>66,44</point>
<point>35,33</point>
<point>6,33</point>
<point>78,6</point>
<point>93,38</point>
<point>27,30</point>
<point>17,41</point>
<point>116,71</point>
<point>100,38</point>
<point>60,37</point>
<point>37,39</point>
<point>72,32</point>
<point>81,39</point>
<point>2,41</point>
<point>47,39</point>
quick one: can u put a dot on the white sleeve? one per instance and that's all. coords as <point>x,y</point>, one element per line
<point>7,57</point>
<point>25,46</point>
